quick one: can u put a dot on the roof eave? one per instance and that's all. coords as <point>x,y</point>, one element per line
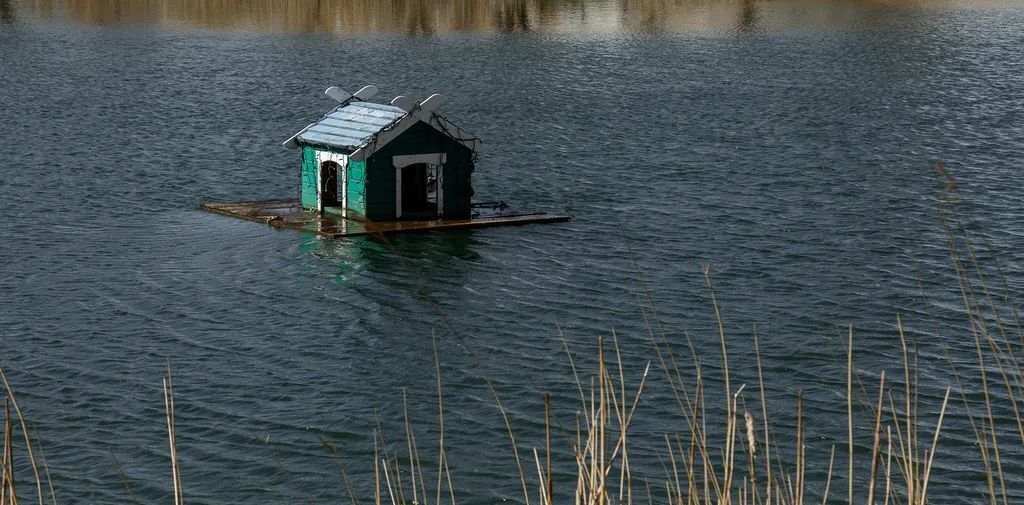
<point>378,141</point>
<point>320,145</point>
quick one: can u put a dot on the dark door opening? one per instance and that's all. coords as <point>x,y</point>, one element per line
<point>329,184</point>
<point>419,189</point>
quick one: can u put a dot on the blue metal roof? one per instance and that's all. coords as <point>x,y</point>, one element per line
<point>350,125</point>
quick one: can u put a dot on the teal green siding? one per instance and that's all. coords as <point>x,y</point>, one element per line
<point>309,176</point>
<point>356,189</point>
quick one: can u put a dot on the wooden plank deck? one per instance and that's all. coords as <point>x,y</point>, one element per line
<point>288,214</point>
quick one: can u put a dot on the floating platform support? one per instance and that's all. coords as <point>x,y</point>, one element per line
<point>288,213</point>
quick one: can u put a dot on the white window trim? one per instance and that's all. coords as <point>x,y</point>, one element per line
<point>412,159</point>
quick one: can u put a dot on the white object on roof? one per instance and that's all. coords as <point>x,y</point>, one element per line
<point>342,96</point>
<point>403,102</point>
<point>365,127</point>
<point>338,94</point>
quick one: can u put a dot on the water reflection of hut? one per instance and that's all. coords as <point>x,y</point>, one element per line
<point>385,162</point>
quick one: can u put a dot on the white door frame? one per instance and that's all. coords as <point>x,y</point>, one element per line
<point>342,161</point>
<point>403,161</point>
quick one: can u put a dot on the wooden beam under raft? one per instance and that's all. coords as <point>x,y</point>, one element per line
<point>289,214</point>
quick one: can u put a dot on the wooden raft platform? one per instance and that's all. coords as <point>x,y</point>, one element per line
<point>288,214</point>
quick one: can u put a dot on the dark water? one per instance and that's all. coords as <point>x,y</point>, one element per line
<point>787,145</point>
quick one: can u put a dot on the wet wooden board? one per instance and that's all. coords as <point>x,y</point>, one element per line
<point>288,214</point>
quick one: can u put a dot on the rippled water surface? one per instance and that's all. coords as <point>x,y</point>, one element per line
<point>788,145</point>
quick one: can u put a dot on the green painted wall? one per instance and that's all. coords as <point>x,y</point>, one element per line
<point>356,189</point>
<point>421,138</point>
<point>309,175</point>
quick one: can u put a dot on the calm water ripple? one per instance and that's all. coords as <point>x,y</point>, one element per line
<point>787,145</point>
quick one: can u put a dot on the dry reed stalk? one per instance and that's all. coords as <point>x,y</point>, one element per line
<point>676,381</point>
<point>408,442</point>
<point>849,412</point>
<point>494,393</point>
<point>46,467</point>
<point>625,479</point>
<point>828,476</point>
<point>989,447</point>
<point>748,421</point>
<point>876,433</point>
<point>603,415</point>
<point>675,471</point>
<point>577,452</point>
<point>592,434</point>
<point>997,349</point>
<point>169,413</point>
<point>327,444</point>
<point>691,468</point>
<point>572,366</point>
<point>392,464</point>
<point>901,461</point>
<point>888,464</point>
<point>610,415</point>
<point>28,442</point>
<point>979,437</point>
<point>542,491</point>
<point>691,410</point>
<point>7,461</point>
<point>387,481</point>
<point>764,414</point>
<point>124,478</point>
<point>730,402</point>
<point>908,450</point>
<point>687,467</point>
<point>993,431</point>
<point>994,441</point>
<point>440,417</point>
<point>415,465</point>
<point>935,444</point>
<point>376,473</point>
<point>799,449</point>
<point>548,484</point>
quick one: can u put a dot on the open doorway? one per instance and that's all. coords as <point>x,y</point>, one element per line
<point>419,185</point>
<point>419,189</point>
<point>329,183</point>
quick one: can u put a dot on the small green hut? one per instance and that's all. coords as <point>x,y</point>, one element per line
<point>385,162</point>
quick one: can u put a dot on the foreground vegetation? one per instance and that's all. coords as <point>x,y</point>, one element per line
<point>711,454</point>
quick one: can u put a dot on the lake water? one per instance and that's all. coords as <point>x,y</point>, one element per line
<point>789,145</point>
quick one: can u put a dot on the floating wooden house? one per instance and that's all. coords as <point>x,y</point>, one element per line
<point>368,167</point>
<point>386,162</point>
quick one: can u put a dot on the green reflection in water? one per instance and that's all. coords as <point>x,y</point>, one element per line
<point>416,257</point>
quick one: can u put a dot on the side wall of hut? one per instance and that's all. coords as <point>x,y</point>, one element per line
<point>355,173</point>
<point>308,180</point>
<point>356,188</point>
